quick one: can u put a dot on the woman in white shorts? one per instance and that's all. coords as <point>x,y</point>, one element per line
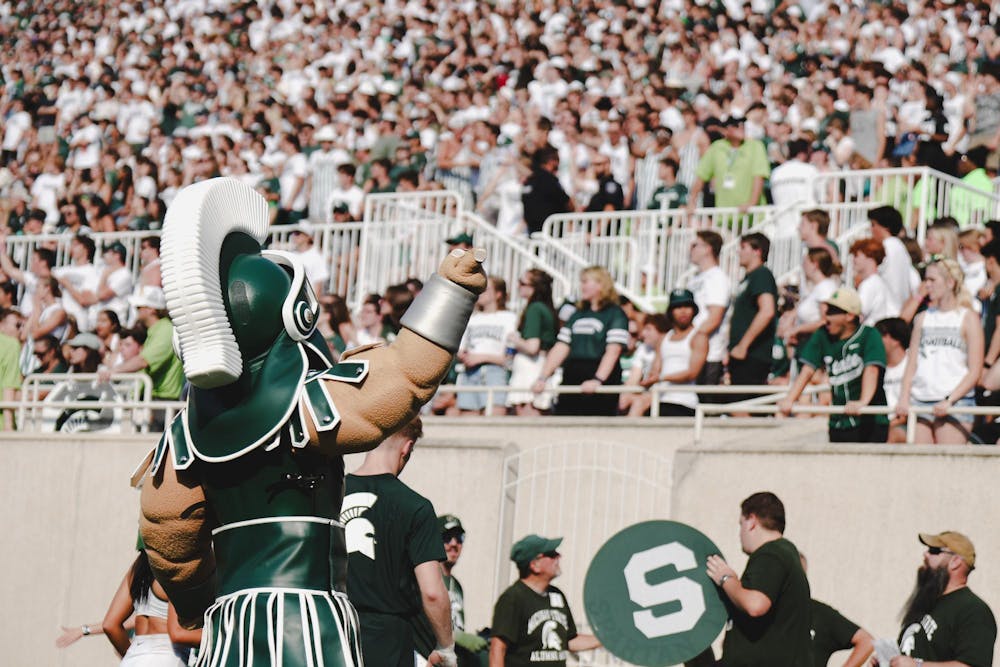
<point>536,334</point>
<point>159,640</point>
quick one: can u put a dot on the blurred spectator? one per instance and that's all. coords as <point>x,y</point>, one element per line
<point>346,192</point>
<point>854,359</point>
<point>609,195</point>
<point>130,342</point>
<point>941,241</point>
<point>645,369</point>
<point>822,274</point>
<point>316,266</point>
<point>149,258</point>
<point>589,347</point>
<point>507,187</point>
<point>157,357</point>
<point>945,358</point>
<point>967,207</point>
<point>370,327</point>
<point>543,195</point>
<point>115,283</point>
<point>107,325</point>
<point>48,355</point>
<point>971,260</point>
<point>712,292</point>
<point>793,182</point>
<point>335,325</point>
<point>814,227</point>
<point>483,350</point>
<point>736,166</point>
<point>395,301</point>
<point>752,322</point>
<point>900,276</point>
<point>896,340</point>
<point>39,268</point>
<point>535,336</point>
<point>48,317</point>
<point>85,353</point>
<point>670,193</point>
<point>79,282</point>
<point>10,361</point>
<point>682,355</point>
<point>294,169</point>
<point>877,301</point>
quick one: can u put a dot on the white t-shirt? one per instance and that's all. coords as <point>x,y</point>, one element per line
<point>712,287</point>
<point>808,308</point>
<point>88,154</point>
<point>487,333</point>
<point>46,190</point>
<point>893,382</point>
<point>877,302</point>
<point>14,130</point>
<point>353,197</point>
<point>317,268</point>
<point>295,168</point>
<point>82,277</point>
<point>120,282</point>
<point>897,270</point>
<point>793,182</point>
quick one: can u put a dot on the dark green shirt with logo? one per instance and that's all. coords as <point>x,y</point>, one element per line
<point>390,530</point>
<point>588,332</point>
<point>757,282</point>
<point>831,632</point>
<point>845,361</point>
<point>961,627</point>
<point>781,637</point>
<point>536,627</point>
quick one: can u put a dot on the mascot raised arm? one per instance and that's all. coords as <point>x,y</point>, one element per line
<point>240,497</point>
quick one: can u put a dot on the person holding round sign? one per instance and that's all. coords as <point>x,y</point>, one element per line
<point>769,604</point>
<point>532,622</point>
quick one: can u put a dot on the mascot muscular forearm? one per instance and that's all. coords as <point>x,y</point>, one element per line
<point>240,498</point>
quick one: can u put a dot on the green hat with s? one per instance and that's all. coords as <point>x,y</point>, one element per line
<point>530,547</point>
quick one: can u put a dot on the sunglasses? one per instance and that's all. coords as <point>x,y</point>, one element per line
<point>551,554</point>
<point>448,537</point>
<point>934,551</point>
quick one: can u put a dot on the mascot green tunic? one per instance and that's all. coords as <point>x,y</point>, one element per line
<point>240,498</point>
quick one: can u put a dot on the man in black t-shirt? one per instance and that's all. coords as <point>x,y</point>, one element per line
<point>609,195</point>
<point>769,604</point>
<point>532,623</point>
<point>753,322</point>
<point>944,621</point>
<point>394,557</point>
<point>543,195</point>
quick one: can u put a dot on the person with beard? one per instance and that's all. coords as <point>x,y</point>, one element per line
<point>945,623</point>
<point>609,195</point>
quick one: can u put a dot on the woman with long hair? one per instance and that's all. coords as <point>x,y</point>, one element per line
<point>159,639</point>
<point>335,325</point>
<point>822,272</point>
<point>589,348</point>
<point>535,336</point>
<point>483,350</point>
<point>106,327</point>
<point>945,358</point>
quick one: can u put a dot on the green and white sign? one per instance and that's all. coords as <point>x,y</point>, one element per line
<point>647,596</point>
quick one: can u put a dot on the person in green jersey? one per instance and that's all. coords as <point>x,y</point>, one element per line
<point>394,554</point>
<point>769,604</point>
<point>670,193</point>
<point>532,622</point>
<point>854,357</point>
<point>945,623</point>
<point>589,348</point>
<point>536,334</point>
<point>832,632</point>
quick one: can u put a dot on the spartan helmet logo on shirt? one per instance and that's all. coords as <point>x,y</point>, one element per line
<point>359,531</point>
<point>550,636</point>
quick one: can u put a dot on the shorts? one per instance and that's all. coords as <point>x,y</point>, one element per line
<point>964,402</point>
<point>484,375</point>
<point>155,651</point>
<point>523,373</point>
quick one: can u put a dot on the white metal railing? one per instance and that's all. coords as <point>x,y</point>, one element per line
<point>51,401</point>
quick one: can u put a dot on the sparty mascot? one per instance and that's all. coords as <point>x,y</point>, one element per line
<point>241,496</point>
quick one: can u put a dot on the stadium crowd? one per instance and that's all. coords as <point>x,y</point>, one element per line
<point>529,109</point>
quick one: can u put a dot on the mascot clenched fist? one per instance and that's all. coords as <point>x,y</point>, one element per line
<point>240,498</point>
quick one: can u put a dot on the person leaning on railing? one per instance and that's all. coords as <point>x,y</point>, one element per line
<point>589,347</point>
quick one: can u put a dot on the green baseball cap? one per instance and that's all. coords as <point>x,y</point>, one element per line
<point>448,522</point>
<point>529,547</point>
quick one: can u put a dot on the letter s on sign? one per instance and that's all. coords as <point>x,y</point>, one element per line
<point>682,589</point>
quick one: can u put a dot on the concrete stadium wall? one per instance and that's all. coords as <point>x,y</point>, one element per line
<point>854,510</point>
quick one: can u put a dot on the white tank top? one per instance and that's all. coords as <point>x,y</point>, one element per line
<point>152,606</point>
<point>943,359</point>
<point>675,356</point>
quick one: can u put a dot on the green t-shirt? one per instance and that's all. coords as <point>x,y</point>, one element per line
<point>732,170</point>
<point>668,196</point>
<point>845,361</point>
<point>781,637</point>
<point>968,207</point>
<point>588,332</point>
<point>831,632</point>
<point>10,362</point>
<point>961,627</point>
<point>757,282</point>
<point>539,322</point>
<point>396,530</point>
<point>536,627</point>
<point>164,367</point>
